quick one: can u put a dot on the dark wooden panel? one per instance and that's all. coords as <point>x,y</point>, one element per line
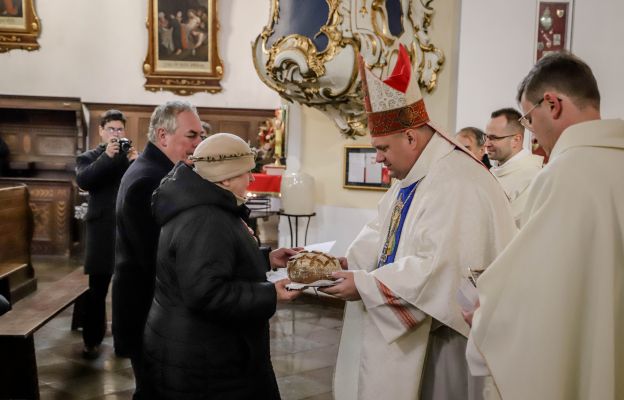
<point>51,202</point>
<point>17,276</point>
<point>42,133</point>
<point>242,122</point>
<point>239,128</point>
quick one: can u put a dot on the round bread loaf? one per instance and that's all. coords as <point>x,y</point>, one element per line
<point>311,266</point>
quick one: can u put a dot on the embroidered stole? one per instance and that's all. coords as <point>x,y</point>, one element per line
<point>399,212</point>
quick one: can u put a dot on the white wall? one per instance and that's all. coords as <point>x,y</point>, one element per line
<point>496,52</point>
<point>95,50</point>
<point>341,224</point>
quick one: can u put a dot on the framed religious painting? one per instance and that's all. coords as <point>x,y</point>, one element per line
<point>182,53</point>
<point>19,25</point>
<point>554,27</point>
<point>361,171</point>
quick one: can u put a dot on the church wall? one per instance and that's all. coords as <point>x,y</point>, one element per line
<point>95,50</point>
<point>497,51</point>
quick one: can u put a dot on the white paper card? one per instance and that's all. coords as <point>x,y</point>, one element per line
<point>325,247</point>
<point>278,275</point>
<point>467,295</point>
<point>321,283</point>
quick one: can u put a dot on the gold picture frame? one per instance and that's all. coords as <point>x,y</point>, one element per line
<point>182,52</point>
<point>19,25</point>
<point>361,171</point>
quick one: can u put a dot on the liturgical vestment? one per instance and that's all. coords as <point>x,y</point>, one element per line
<point>516,176</point>
<point>459,217</point>
<point>551,321</point>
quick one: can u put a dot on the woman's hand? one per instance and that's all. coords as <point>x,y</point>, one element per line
<point>278,258</point>
<point>284,294</point>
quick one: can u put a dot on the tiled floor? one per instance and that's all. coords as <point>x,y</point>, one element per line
<point>304,344</point>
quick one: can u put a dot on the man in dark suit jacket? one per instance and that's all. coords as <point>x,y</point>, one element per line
<point>99,171</point>
<point>174,132</point>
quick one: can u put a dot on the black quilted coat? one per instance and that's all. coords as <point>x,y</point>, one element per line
<point>207,333</point>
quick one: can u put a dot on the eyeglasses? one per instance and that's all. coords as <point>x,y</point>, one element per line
<point>111,129</point>
<point>525,119</point>
<point>493,138</point>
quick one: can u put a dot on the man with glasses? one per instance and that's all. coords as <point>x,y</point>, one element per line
<point>516,166</point>
<point>99,172</point>
<point>551,320</point>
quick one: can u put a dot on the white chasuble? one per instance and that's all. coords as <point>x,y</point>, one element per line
<point>459,217</point>
<point>551,321</point>
<point>516,176</point>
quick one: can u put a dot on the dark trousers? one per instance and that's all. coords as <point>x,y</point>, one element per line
<point>142,390</point>
<point>94,322</point>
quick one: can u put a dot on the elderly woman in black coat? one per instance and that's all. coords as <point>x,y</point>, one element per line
<point>207,333</point>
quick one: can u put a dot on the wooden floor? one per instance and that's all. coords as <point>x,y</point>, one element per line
<point>304,344</point>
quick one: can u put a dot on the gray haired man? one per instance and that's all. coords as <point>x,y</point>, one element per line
<point>174,133</point>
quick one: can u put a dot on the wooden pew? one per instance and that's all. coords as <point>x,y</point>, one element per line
<point>18,369</point>
<point>17,276</point>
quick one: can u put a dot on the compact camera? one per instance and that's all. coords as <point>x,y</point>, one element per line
<point>124,145</point>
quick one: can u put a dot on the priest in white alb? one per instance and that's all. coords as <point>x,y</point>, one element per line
<point>551,320</point>
<point>403,335</point>
<point>516,167</point>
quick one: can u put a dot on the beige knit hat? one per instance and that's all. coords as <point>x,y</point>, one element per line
<point>223,156</point>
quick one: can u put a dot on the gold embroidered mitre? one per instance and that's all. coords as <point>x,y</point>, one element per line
<point>393,104</point>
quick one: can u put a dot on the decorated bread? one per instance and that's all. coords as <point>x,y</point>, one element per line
<point>311,266</point>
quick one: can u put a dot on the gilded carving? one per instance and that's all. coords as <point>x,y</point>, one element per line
<point>19,27</point>
<point>10,39</point>
<point>188,67</point>
<point>293,66</point>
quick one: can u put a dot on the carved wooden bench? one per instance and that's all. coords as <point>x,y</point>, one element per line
<point>6,271</point>
<point>18,369</point>
<point>17,276</point>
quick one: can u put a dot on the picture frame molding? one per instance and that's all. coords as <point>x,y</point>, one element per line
<point>182,82</point>
<point>346,183</point>
<point>569,18</point>
<point>23,36</point>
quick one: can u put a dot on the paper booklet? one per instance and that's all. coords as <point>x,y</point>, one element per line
<point>467,295</point>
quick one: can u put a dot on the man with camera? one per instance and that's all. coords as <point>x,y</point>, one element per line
<point>99,172</point>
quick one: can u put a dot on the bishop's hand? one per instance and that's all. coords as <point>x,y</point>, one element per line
<point>344,289</point>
